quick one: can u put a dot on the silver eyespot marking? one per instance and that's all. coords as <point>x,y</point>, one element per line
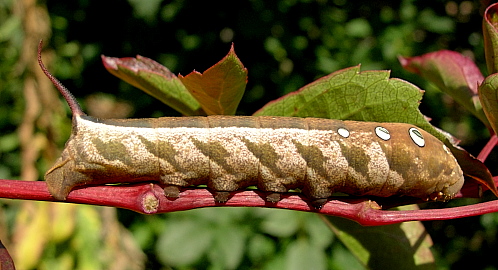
<point>383,133</point>
<point>417,137</point>
<point>343,132</point>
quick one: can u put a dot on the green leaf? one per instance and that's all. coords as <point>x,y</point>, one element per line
<point>154,79</point>
<point>453,73</point>
<point>183,242</point>
<point>434,23</point>
<point>349,94</point>
<point>399,246</point>
<point>280,223</point>
<point>9,27</point>
<point>488,93</point>
<point>490,31</point>
<point>342,258</point>
<point>220,88</point>
<point>260,248</point>
<point>229,246</point>
<point>319,235</point>
<point>301,254</point>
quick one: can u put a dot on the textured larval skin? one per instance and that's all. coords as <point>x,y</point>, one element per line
<point>228,153</point>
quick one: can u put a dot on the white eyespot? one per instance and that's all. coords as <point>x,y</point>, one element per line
<point>383,133</point>
<point>417,137</point>
<point>343,132</point>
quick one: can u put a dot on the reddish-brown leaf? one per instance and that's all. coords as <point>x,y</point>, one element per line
<point>6,262</point>
<point>454,73</point>
<point>474,169</point>
<point>220,88</point>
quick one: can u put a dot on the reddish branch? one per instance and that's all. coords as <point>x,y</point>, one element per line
<point>6,262</point>
<point>148,198</point>
<point>493,141</point>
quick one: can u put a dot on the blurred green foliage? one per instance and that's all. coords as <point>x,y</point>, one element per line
<point>284,44</point>
<point>11,101</point>
<point>232,238</point>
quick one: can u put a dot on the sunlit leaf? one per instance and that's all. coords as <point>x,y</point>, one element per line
<point>30,240</point>
<point>349,94</point>
<point>220,88</point>
<point>154,79</point>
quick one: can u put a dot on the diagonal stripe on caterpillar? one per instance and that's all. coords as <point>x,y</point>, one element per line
<point>228,153</point>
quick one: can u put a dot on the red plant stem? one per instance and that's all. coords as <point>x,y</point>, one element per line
<point>6,262</point>
<point>493,141</point>
<point>148,198</point>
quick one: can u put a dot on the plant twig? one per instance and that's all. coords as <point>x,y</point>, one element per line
<point>493,141</point>
<point>148,198</point>
<point>6,262</point>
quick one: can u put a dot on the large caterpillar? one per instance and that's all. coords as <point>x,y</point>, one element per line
<point>228,153</point>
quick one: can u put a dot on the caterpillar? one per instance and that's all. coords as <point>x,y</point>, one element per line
<point>275,154</point>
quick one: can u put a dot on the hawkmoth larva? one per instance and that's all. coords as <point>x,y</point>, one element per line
<point>228,153</point>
